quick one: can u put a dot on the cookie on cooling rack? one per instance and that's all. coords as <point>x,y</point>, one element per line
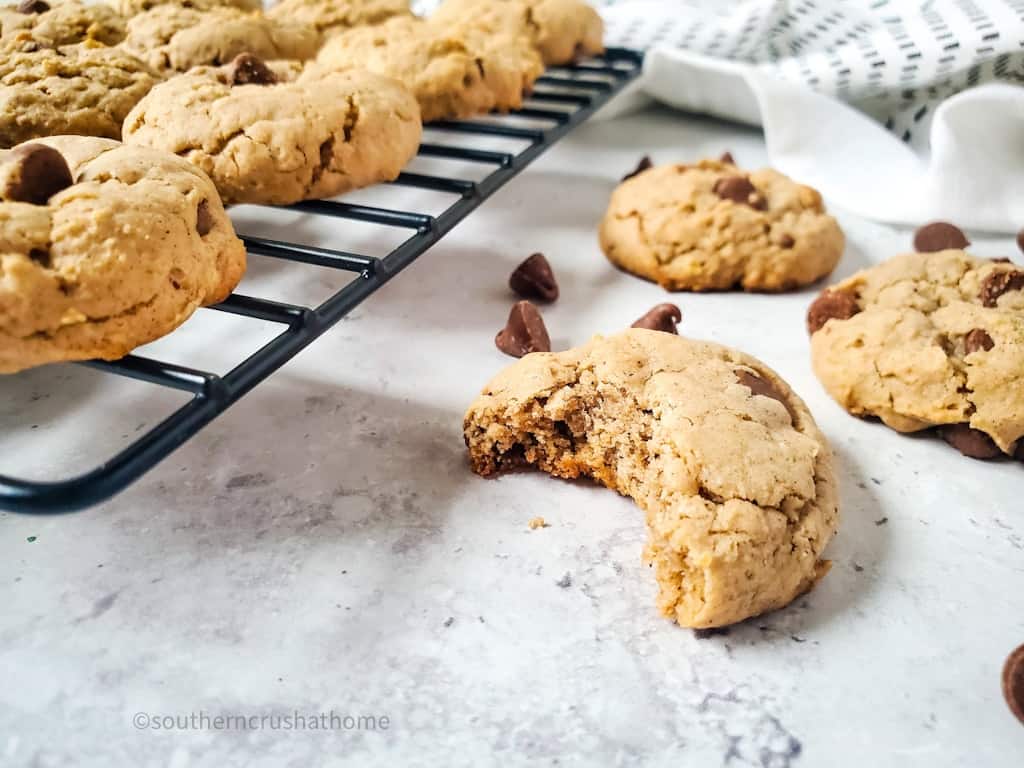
<point>104,247</point>
<point>129,8</point>
<point>332,16</point>
<point>264,137</point>
<point>562,30</point>
<point>713,226</point>
<point>452,73</point>
<point>929,340</point>
<point>175,38</point>
<point>59,22</point>
<point>84,89</point>
<point>725,460</point>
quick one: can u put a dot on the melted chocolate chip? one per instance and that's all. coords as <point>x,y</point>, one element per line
<point>33,6</point>
<point>246,69</point>
<point>970,442</point>
<point>727,158</point>
<point>838,305</point>
<point>39,172</point>
<point>939,236</point>
<point>759,386</point>
<point>739,190</point>
<point>204,219</point>
<point>661,317</point>
<point>978,338</point>
<point>524,332</point>
<point>533,279</point>
<point>1013,682</point>
<point>998,283</point>
<point>643,165</point>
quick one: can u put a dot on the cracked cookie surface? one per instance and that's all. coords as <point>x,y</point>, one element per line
<point>313,137</point>
<point>725,460</point>
<point>561,30</point>
<point>64,22</point>
<point>117,255</point>
<point>85,89</point>
<point>129,8</point>
<point>712,226</point>
<point>452,74</point>
<point>174,38</point>
<point>331,16</point>
<point>925,340</point>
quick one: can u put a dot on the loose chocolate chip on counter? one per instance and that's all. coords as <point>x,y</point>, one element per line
<point>739,190</point>
<point>533,279</point>
<point>998,283</point>
<point>1013,682</point>
<point>37,174</point>
<point>643,165</point>
<point>970,442</point>
<point>727,158</point>
<point>661,317</point>
<point>759,386</point>
<point>524,332</point>
<point>978,338</point>
<point>246,69</point>
<point>838,305</point>
<point>204,219</point>
<point>33,6</point>
<point>939,236</point>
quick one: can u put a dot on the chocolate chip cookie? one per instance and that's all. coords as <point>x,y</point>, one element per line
<point>129,8</point>
<point>104,247</point>
<point>712,226</point>
<point>173,38</point>
<point>725,460</point>
<point>85,89</point>
<point>928,340</point>
<point>331,16</point>
<point>264,138</point>
<point>58,22</point>
<point>562,30</point>
<point>453,74</point>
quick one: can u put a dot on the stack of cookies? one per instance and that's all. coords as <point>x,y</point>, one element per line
<point>222,103</point>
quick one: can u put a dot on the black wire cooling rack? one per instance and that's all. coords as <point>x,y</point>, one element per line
<point>577,91</point>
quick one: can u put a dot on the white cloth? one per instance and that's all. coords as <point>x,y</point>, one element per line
<point>936,130</point>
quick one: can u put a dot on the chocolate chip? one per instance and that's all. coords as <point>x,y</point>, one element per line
<point>998,283</point>
<point>524,332</point>
<point>33,6</point>
<point>739,190</point>
<point>1018,451</point>
<point>830,305</point>
<point>727,158</point>
<point>38,174</point>
<point>246,69</point>
<point>643,165</point>
<point>759,386</point>
<point>970,442</point>
<point>533,279</point>
<point>786,241</point>
<point>661,317</point>
<point>939,236</point>
<point>977,339</point>
<point>1020,239</point>
<point>204,219</point>
<point>1013,682</point>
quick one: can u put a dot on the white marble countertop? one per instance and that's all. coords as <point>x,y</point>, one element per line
<point>323,546</point>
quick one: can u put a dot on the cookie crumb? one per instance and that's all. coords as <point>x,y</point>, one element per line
<point>449,621</point>
<point>565,582</point>
<point>882,521</point>
<point>538,522</point>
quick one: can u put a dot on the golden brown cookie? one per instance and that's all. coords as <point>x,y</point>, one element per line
<point>725,460</point>
<point>170,37</point>
<point>59,22</point>
<point>562,30</point>
<point>265,138</point>
<point>929,340</point>
<point>129,8</point>
<point>331,16</point>
<point>452,74</point>
<point>713,226</point>
<point>104,247</point>
<point>85,89</point>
